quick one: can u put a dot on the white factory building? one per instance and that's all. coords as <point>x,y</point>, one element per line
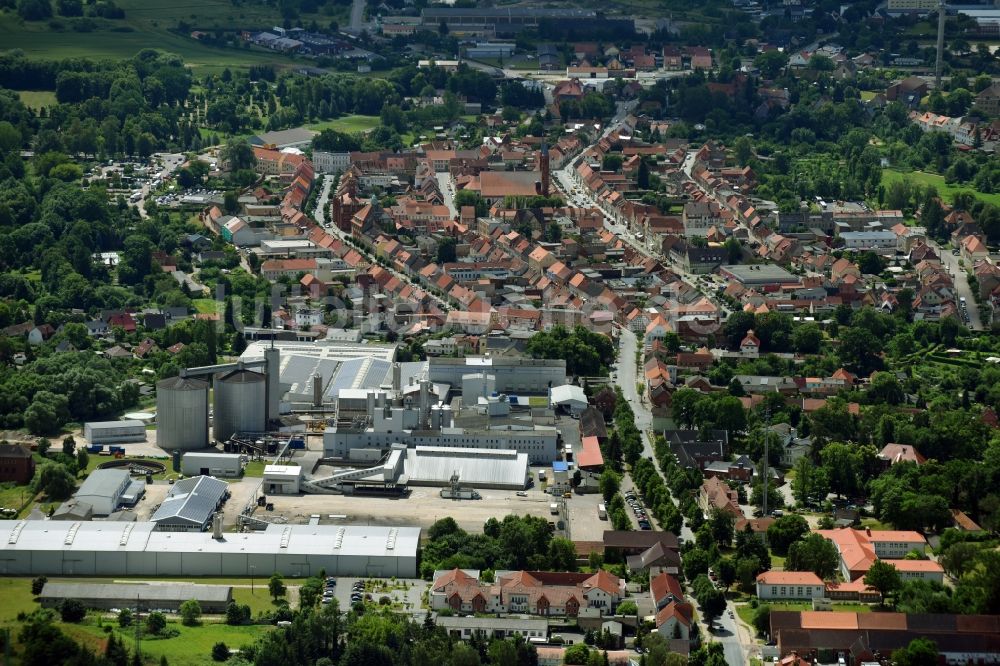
<point>114,432</point>
<point>106,489</point>
<point>107,548</point>
<point>226,465</point>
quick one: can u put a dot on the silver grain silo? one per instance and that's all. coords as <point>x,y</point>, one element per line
<point>240,403</point>
<point>182,413</point>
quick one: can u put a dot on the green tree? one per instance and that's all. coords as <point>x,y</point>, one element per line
<point>72,610</point>
<point>576,654</point>
<point>125,617</point>
<point>190,612</point>
<point>807,338</point>
<point>238,155</point>
<point>55,480</point>
<point>220,652</point>
<point>884,577</point>
<point>813,553</point>
<point>69,445</point>
<point>785,531</point>
<point>722,525</point>
<point>37,584</point>
<point>446,250</point>
<point>762,619</point>
<point>609,483</point>
<point>562,555</point>
<point>276,586</point>
<point>82,459</point>
<point>920,652</point>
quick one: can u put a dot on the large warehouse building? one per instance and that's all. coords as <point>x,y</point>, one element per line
<point>479,468</point>
<point>42,547</point>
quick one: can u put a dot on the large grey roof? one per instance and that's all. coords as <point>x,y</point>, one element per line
<point>484,467</point>
<point>179,592</point>
<point>192,500</point>
<point>45,536</point>
<point>103,482</point>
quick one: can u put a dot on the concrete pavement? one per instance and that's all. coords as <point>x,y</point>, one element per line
<point>447,191</point>
<point>962,288</point>
<point>323,199</point>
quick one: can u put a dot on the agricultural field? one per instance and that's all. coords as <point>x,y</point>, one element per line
<point>946,190</point>
<point>149,24</point>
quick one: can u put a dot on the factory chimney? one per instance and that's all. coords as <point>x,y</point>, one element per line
<point>317,390</point>
<point>272,357</point>
<point>543,163</point>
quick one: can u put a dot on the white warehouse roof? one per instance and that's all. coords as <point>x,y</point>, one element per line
<point>130,549</point>
<point>483,468</point>
<point>568,394</point>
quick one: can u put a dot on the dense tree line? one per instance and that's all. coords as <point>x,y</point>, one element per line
<point>516,542</point>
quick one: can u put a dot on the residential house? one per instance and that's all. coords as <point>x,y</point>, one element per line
<point>17,465</point>
<point>716,494</point>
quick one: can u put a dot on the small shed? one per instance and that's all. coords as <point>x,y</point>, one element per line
<point>282,479</point>
<point>226,465</point>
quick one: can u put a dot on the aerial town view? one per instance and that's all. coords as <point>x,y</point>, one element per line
<point>499,332</point>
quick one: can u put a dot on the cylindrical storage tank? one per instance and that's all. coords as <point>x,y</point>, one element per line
<point>182,413</point>
<point>240,403</point>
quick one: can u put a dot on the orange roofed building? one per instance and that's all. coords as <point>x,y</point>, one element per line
<point>859,549</point>
<point>535,592</point>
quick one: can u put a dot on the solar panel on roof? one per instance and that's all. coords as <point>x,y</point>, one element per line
<point>375,376</point>
<point>347,373</point>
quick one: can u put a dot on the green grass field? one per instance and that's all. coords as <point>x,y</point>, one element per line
<point>946,190</point>
<point>192,646</point>
<point>36,99</point>
<point>351,124</point>
<point>205,305</point>
<point>148,25</point>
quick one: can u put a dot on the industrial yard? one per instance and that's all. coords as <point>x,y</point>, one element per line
<point>420,508</point>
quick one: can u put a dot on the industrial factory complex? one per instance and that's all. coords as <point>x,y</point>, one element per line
<point>325,418</point>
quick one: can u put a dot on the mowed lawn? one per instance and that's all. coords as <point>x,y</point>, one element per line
<point>351,124</point>
<point>946,190</point>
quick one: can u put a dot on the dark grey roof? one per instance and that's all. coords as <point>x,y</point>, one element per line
<point>191,501</point>
<point>130,592</point>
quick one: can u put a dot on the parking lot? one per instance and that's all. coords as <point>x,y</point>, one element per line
<point>405,594</point>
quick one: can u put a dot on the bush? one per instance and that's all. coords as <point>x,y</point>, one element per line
<point>156,623</point>
<point>72,610</point>
<point>125,617</point>
<point>190,612</point>
<point>37,584</point>
<point>220,652</point>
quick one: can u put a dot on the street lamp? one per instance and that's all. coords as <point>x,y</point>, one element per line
<point>251,578</point>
